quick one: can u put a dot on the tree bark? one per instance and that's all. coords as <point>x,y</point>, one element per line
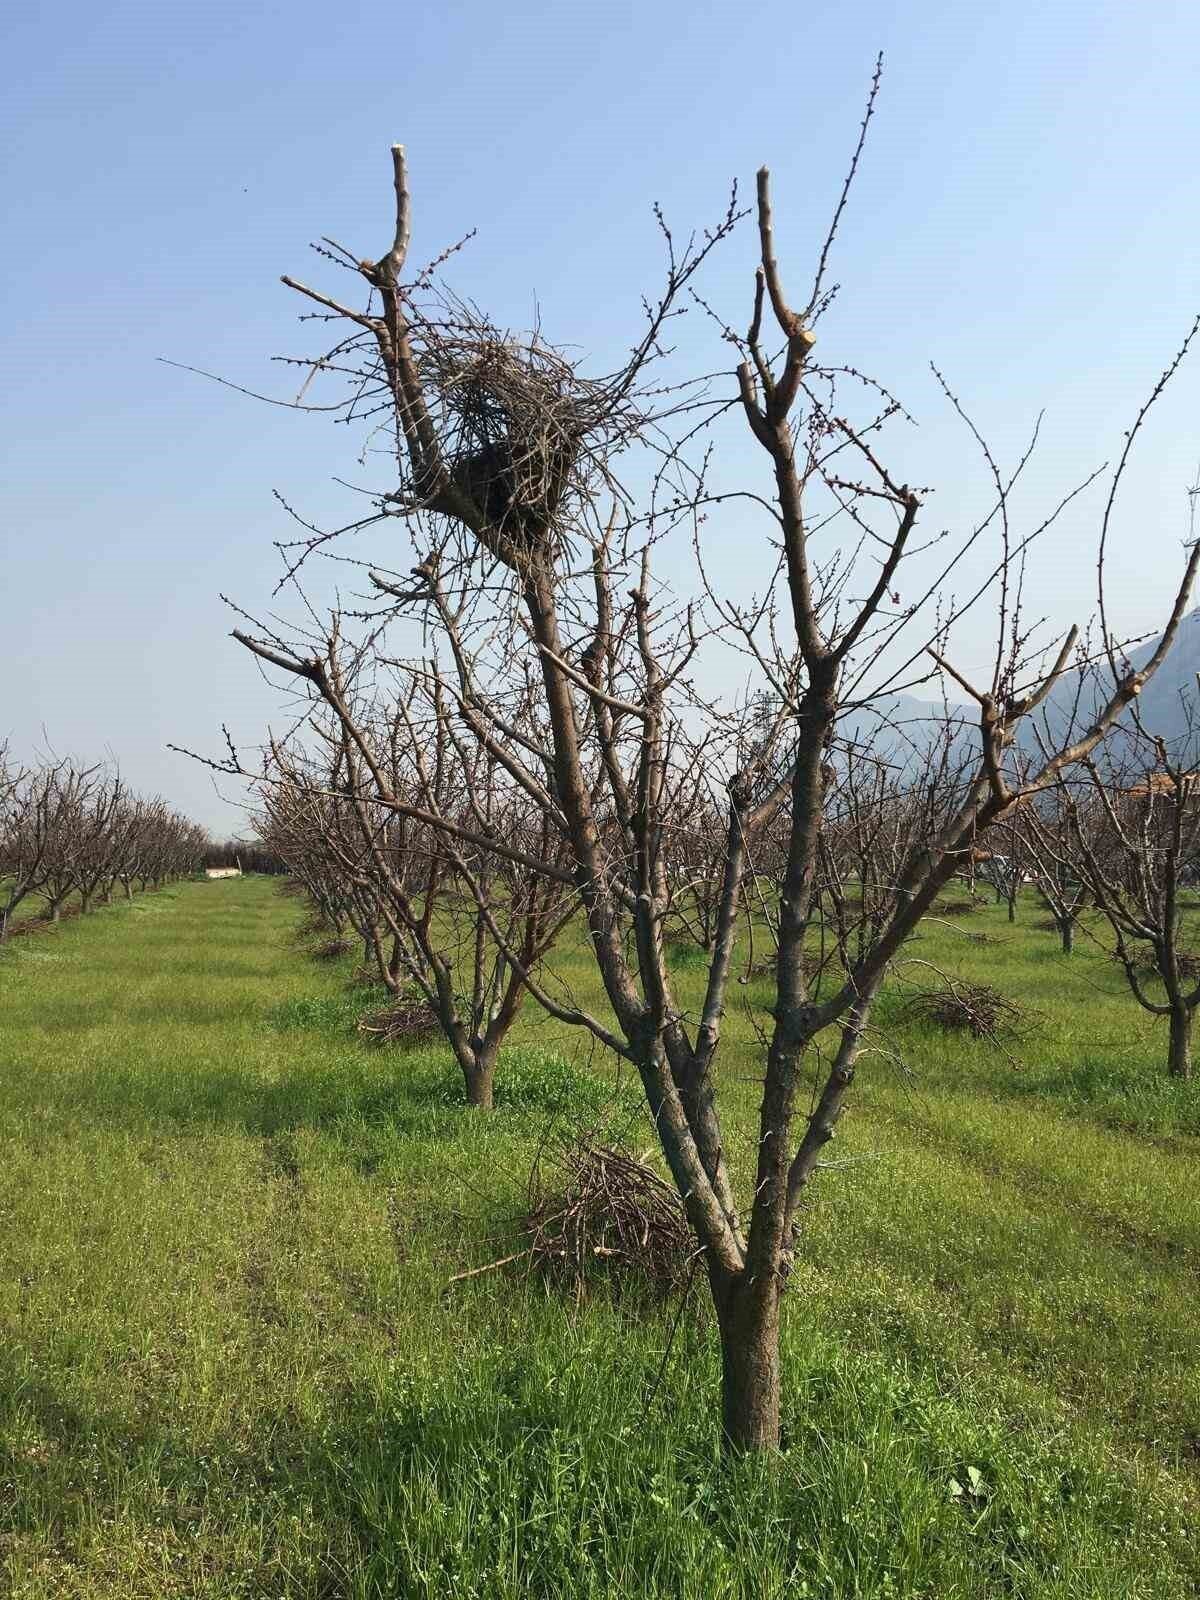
<point>1067,928</point>
<point>1180,1059</point>
<point>478,1075</point>
<point>748,1320</point>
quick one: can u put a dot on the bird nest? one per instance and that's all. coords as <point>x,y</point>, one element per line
<point>608,1209</point>
<point>404,1022</point>
<point>974,1008</point>
<point>519,427</point>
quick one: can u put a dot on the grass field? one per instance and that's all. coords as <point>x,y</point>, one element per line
<point>230,1364</point>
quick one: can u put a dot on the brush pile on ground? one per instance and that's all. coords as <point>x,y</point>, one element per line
<point>608,1209</point>
<point>1143,958</point>
<point>405,1021</point>
<point>974,1008</point>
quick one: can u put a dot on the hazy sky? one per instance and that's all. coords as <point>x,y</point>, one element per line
<point>1026,216</point>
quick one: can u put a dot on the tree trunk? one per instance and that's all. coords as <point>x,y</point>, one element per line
<point>1180,1063</point>
<point>478,1074</point>
<point>748,1320</point>
<point>1067,929</point>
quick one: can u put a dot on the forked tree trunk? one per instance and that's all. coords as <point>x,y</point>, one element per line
<point>748,1321</point>
<point>479,1071</point>
<point>1180,1060</point>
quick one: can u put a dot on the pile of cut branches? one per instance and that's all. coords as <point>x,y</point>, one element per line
<point>1142,957</point>
<point>403,1022</point>
<point>812,964</point>
<point>611,1209</point>
<point>974,1008</point>
<point>332,949</point>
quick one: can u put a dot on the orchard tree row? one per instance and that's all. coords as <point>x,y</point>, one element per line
<point>73,836</point>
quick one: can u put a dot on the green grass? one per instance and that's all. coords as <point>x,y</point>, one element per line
<point>230,1364</point>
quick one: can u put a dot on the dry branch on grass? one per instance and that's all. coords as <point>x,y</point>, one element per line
<point>611,1209</point>
<point>405,1022</point>
<point>332,949</point>
<point>974,1008</point>
<point>1143,958</point>
<point>812,964</point>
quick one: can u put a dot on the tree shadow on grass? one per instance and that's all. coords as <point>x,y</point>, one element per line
<point>538,1471</point>
<point>325,1081</point>
<point>347,1090</point>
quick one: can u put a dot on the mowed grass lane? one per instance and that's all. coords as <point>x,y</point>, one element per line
<point>230,1365</point>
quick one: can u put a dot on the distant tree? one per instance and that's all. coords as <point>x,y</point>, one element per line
<point>398,824</point>
<point>1046,837</point>
<point>1133,828</point>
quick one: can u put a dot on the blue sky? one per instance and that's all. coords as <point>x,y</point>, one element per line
<point>1026,216</point>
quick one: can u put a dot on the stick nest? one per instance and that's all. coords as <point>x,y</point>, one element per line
<point>974,1008</point>
<point>612,1210</point>
<point>518,426</point>
<point>404,1022</point>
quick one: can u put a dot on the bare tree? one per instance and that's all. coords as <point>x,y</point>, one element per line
<point>388,823</point>
<point>1133,829</point>
<point>72,831</point>
<point>1047,851</point>
<point>531,550</point>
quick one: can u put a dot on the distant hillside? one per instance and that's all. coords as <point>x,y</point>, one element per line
<point>905,728</point>
<point>1167,702</point>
